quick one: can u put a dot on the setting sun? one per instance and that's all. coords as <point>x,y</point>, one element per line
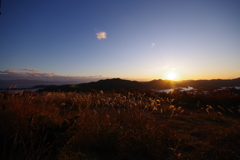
<point>171,76</point>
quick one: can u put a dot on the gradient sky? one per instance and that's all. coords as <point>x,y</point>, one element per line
<point>129,39</point>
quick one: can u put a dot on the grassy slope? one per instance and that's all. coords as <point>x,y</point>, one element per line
<point>143,125</point>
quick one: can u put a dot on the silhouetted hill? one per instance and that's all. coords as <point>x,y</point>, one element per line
<point>113,84</point>
<point>109,84</point>
<point>159,84</point>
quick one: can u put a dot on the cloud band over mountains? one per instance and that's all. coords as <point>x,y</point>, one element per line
<point>33,74</point>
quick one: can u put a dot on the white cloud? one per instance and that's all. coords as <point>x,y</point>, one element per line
<point>101,35</point>
<point>153,44</point>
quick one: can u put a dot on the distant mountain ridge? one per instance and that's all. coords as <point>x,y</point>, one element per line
<point>25,83</point>
<point>211,84</point>
<point>117,84</point>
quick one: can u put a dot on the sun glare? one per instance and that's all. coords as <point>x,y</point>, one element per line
<point>171,76</point>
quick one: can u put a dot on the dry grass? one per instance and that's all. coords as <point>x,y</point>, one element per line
<point>117,126</point>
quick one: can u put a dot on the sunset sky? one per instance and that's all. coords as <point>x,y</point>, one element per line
<point>87,40</point>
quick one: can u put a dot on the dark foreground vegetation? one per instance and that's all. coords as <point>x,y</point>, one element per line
<point>142,124</point>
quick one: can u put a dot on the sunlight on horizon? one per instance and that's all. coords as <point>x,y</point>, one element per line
<point>171,76</point>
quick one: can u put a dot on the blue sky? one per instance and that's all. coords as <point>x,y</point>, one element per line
<point>138,39</point>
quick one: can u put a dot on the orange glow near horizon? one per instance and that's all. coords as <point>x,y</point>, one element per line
<point>178,76</point>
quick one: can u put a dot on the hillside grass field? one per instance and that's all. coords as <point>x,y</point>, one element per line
<point>142,124</point>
